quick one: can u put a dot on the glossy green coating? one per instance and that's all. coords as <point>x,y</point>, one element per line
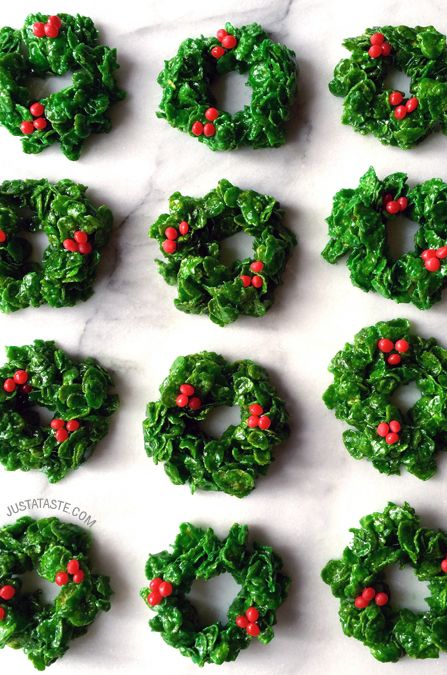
<point>231,463</point>
<point>199,554</point>
<point>58,210</point>
<point>187,79</point>
<point>70,390</point>
<point>358,228</point>
<point>421,54</point>
<point>394,537</point>
<point>42,630</point>
<point>75,112</point>
<point>361,395</point>
<point>205,284</point>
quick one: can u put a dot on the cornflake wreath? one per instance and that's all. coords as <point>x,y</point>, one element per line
<point>59,553</point>
<point>358,228</point>
<point>76,392</point>
<point>76,230</point>
<point>56,45</point>
<point>394,537</point>
<point>188,102</point>
<point>198,554</point>
<point>370,107</point>
<point>367,373</point>
<point>190,237</point>
<point>196,385</point>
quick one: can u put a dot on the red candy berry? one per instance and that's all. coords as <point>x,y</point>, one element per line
<point>27,389</point>
<point>182,400</point>
<point>217,52</point>
<point>432,264</point>
<point>61,435</point>
<point>20,377</point>
<point>9,385</point>
<point>229,42</point>
<point>197,128</point>
<point>383,429</point>
<point>253,421</point>
<point>385,345</point>
<point>36,109</point>
<point>39,29</point>
<point>195,403</point>
<point>392,207</point>
<point>444,565</point>
<point>393,359</point>
<point>400,112</point>
<point>212,114</point>
<point>72,425</point>
<point>368,593</point>
<point>264,423</point>
<point>386,49</point>
<point>241,621</point>
<point>183,227</point>
<point>55,21</point>
<point>78,578</point>
<point>165,589</point>
<point>381,599</point>
<point>377,39</point>
<point>257,282</point>
<point>70,245</point>
<point>387,198</point>
<point>428,253</point>
<point>51,31</point>
<point>209,130</point>
<point>40,123</point>
<point>154,598</point>
<point>187,389</point>
<point>57,424</point>
<point>3,236</point>
<point>375,51</point>
<point>27,127</point>
<point>169,246</point>
<point>252,614</point>
<point>2,613</point>
<point>253,629</point>
<point>395,426</point>
<point>73,566</point>
<point>391,439</point>
<point>86,248</point>
<point>7,592</point>
<point>246,280</point>
<point>61,578</point>
<point>255,409</point>
<point>360,602</point>
<point>171,233</point>
<point>80,236</point>
<point>403,203</point>
<point>395,98</point>
<point>257,266</point>
<point>155,583</point>
<point>221,33</point>
<point>441,252</point>
<point>402,346</point>
<point>412,104</point>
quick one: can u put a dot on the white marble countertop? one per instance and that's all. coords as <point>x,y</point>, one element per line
<point>315,491</point>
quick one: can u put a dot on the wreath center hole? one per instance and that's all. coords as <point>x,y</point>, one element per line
<point>45,415</point>
<point>401,233</point>
<point>32,582</point>
<point>220,419</point>
<point>397,80</point>
<point>405,396</point>
<point>236,247</point>
<point>43,87</point>
<point>213,597</point>
<point>406,589</point>
<point>231,92</point>
<point>38,242</point>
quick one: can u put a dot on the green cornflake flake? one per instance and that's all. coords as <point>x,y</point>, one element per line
<point>198,554</point>
<point>231,463</point>
<point>187,78</point>
<point>204,283</point>
<point>70,389</point>
<point>384,539</point>
<point>42,630</point>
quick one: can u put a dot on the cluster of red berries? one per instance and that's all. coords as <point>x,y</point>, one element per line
<point>386,346</point>
<point>7,592</point>
<point>62,428</point>
<point>3,236</point>
<point>49,29</point>
<point>257,418</point>
<point>443,566</point>
<point>74,570</point>
<point>401,109</point>
<point>432,258</point>
<point>248,621</point>
<point>159,589</point>
<point>37,110</point>
<point>207,129</point>
<point>393,206</point>
<point>226,41</point>
<point>369,594</point>
<point>79,243</point>
<point>19,378</point>
<point>379,46</point>
<point>170,245</point>
<point>390,432</point>
<point>187,398</point>
<point>256,266</point>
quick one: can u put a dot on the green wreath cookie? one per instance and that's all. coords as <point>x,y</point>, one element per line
<point>76,231</point>
<point>76,392</point>
<point>190,235</point>
<point>188,102</point>
<point>358,228</point>
<point>198,554</point>
<point>59,553</point>
<point>367,373</point>
<point>197,384</point>
<point>394,537</point>
<point>370,107</point>
<point>56,45</point>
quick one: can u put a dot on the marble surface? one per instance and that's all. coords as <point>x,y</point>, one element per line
<point>314,491</point>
